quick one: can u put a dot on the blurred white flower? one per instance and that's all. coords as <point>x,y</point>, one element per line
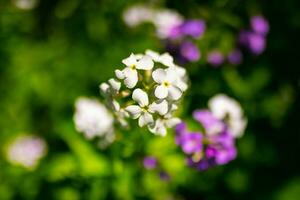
<point>26,151</point>
<point>130,73</point>
<point>92,118</point>
<point>144,111</point>
<point>230,111</point>
<point>165,20</point>
<point>25,4</point>
<point>137,14</point>
<point>167,84</point>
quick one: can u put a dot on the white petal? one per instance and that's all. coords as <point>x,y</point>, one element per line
<point>119,74</point>
<point>134,111</point>
<point>182,85</point>
<point>104,87</point>
<point>161,108</point>
<point>237,127</point>
<point>140,97</point>
<point>115,105</point>
<point>116,85</point>
<point>138,56</point>
<point>130,61</point>
<point>158,128</point>
<point>221,105</point>
<point>145,119</point>
<point>167,60</point>
<point>174,93</point>
<point>155,56</point>
<point>145,63</point>
<point>171,76</point>
<point>159,75</point>
<point>161,92</point>
<point>172,122</point>
<point>180,71</point>
<point>131,77</point>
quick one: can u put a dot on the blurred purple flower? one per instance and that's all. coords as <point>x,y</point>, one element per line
<point>259,25</point>
<point>235,57</point>
<point>194,28</point>
<point>149,162</point>
<point>219,149</point>
<point>164,176</point>
<point>243,37</point>
<point>215,58</point>
<point>191,142</point>
<point>189,51</point>
<point>211,124</point>
<point>175,32</point>
<point>257,43</point>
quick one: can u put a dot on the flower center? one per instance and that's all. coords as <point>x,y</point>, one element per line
<point>145,109</point>
<point>132,67</point>
<point>166,84</point>
<point>197,156</point>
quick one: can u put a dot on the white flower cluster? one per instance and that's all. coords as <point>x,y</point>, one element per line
<point>147,89</point>
<point>26,151</point>
<point>163,19</point>
<point>230,111</point>
<point>94,120</point>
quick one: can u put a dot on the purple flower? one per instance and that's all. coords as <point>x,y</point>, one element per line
<point>149,162</point>
<point>191,142</point>
<point>175,32</point>
<point>260,25</point>
<point>235,57</point>
<point>211,124</point>
<point>257,43</point>
<point>243,37</point>
<point>180,130</point>
<point>189,51</point>
<point>221,148</point>
<point>193,28</point>
<point>215,58</point>
<point>164,176</point>
<point>205,151</point>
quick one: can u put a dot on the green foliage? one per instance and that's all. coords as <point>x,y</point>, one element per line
<point>63,49</point>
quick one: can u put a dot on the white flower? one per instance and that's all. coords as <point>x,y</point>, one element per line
<point>26,151</point>
<point>229,110</point>
<point>111,88</point>
<point>130,73</point>
<point>165,58</point>
<point>143,111</point>
<point>137,14</point>
<point>181,81</point>
<point>104,88</point>
<point>115,85</point>
<point>165,20</point>
<point>167,84</point>
<point>164,83</point>
<point>160,126</point>
<point>119,112</point>
<point>92,118</point>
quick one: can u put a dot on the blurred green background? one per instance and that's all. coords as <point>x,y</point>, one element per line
<point>63,49</point>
